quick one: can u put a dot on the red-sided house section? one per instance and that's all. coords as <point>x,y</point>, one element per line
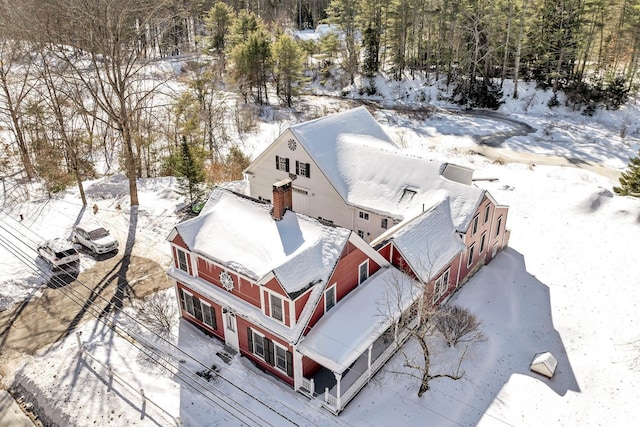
<point>197,316</point>
<point>181,255</point>
<point>481,237</point>
<point>273,289</point>
<point>266,350</point>
<point>345,278</point>
<point>255,342</point>
<point>446,278</point>
<point>242,287</point>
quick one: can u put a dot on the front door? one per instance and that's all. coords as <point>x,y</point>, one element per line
<point>230,329</point>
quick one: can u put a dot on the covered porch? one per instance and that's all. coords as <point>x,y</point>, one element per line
<point>356,338</point>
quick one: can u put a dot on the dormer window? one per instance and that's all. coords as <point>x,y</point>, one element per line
<point>276,308</point>
<point>182,260</point>
<point>407,195</point>
<point>329,298</point>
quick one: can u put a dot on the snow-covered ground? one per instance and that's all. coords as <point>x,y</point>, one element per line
<point>568,284</point>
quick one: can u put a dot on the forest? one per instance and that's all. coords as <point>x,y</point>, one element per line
<point>80,77</point>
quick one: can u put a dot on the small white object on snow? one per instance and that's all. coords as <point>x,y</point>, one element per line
<point>544,364</point>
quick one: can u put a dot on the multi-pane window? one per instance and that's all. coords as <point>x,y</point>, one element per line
<point>281,358</point>
<point>483,241</point>
<point>361,234</point>
<point>486,213</point>
<point>182,260</point>
<point>440,286</point>
<point>282,163</point>
<point>198,309</point>
<point>475,225</point>
<point>470,259</point>
<point>384,223</point>
<point>303,169</point>
<point>258,345</point>
<point>270,352</point>
<point>187,302</point>
<point>363,271</point>
<point>329,298</point>
<point>363,215</point>
<point>276,307</point>
<point>208,315</point>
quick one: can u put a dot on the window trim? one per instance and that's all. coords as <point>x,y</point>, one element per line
<point>271,305</point>
<point>487,211</point>
<point>255,333</point>
<point>498,225</point>
<point>212,311</point>
<point>441,285</point>
<point>303,169</point>
<point>360,233</point>
<point>476,220</point>
<point>282,163</point>
<point>366,264</point>
<point>277,347</point>
<point>180,251</point>
<point>363,215</point>
<point>483,241</point>
<point>333,288</point>
<point>470,256</point>
<point>384,223</point>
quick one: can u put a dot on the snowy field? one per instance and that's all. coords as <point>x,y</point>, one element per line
<point>568,284</point>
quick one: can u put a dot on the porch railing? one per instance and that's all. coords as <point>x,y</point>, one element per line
<point>331,400</point>
<point>309,384</point>
<point>347,395</point>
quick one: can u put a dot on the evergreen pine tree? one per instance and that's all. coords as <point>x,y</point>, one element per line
<point>192,174</point>
<point>630,180</point>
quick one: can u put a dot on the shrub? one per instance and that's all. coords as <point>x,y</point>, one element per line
<point>159,313</point>
<point>457,325</point>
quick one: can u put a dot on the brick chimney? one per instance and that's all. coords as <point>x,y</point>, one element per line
<point>282,198</point>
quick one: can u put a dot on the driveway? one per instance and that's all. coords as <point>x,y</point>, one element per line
<point>108,285</point>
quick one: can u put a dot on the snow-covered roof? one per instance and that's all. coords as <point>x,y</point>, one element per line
<point>367,170</point>
<point>239,233</point>
<point>340,337</point>
<point>428,242</point>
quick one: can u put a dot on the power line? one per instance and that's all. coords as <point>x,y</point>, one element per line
<point>466,404</point>
<point>201,363</point>
<point>73,296</point>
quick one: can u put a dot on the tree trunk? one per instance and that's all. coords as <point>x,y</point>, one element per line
<point>424,384</point>
<point>516,65</point>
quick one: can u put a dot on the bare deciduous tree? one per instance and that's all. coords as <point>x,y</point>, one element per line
<point>457,325</point>
<point>158,312</point>
<point>15,86</point>
<point>107,48</point>
<point>420,324</point>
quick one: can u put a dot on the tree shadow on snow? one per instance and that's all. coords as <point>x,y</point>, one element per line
<point>518,321</point>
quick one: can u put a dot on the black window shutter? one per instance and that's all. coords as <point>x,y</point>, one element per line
<point>182,298</point>
<point>289,364</point>
<point>287,163</point>
<point>268,352</point>
<point>250,339</point>
<point>213,319</point>
<point>308,170</point>
<point>297,167</point>
<point>277,162</point>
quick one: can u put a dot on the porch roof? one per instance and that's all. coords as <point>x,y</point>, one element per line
<point>345,332</point>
